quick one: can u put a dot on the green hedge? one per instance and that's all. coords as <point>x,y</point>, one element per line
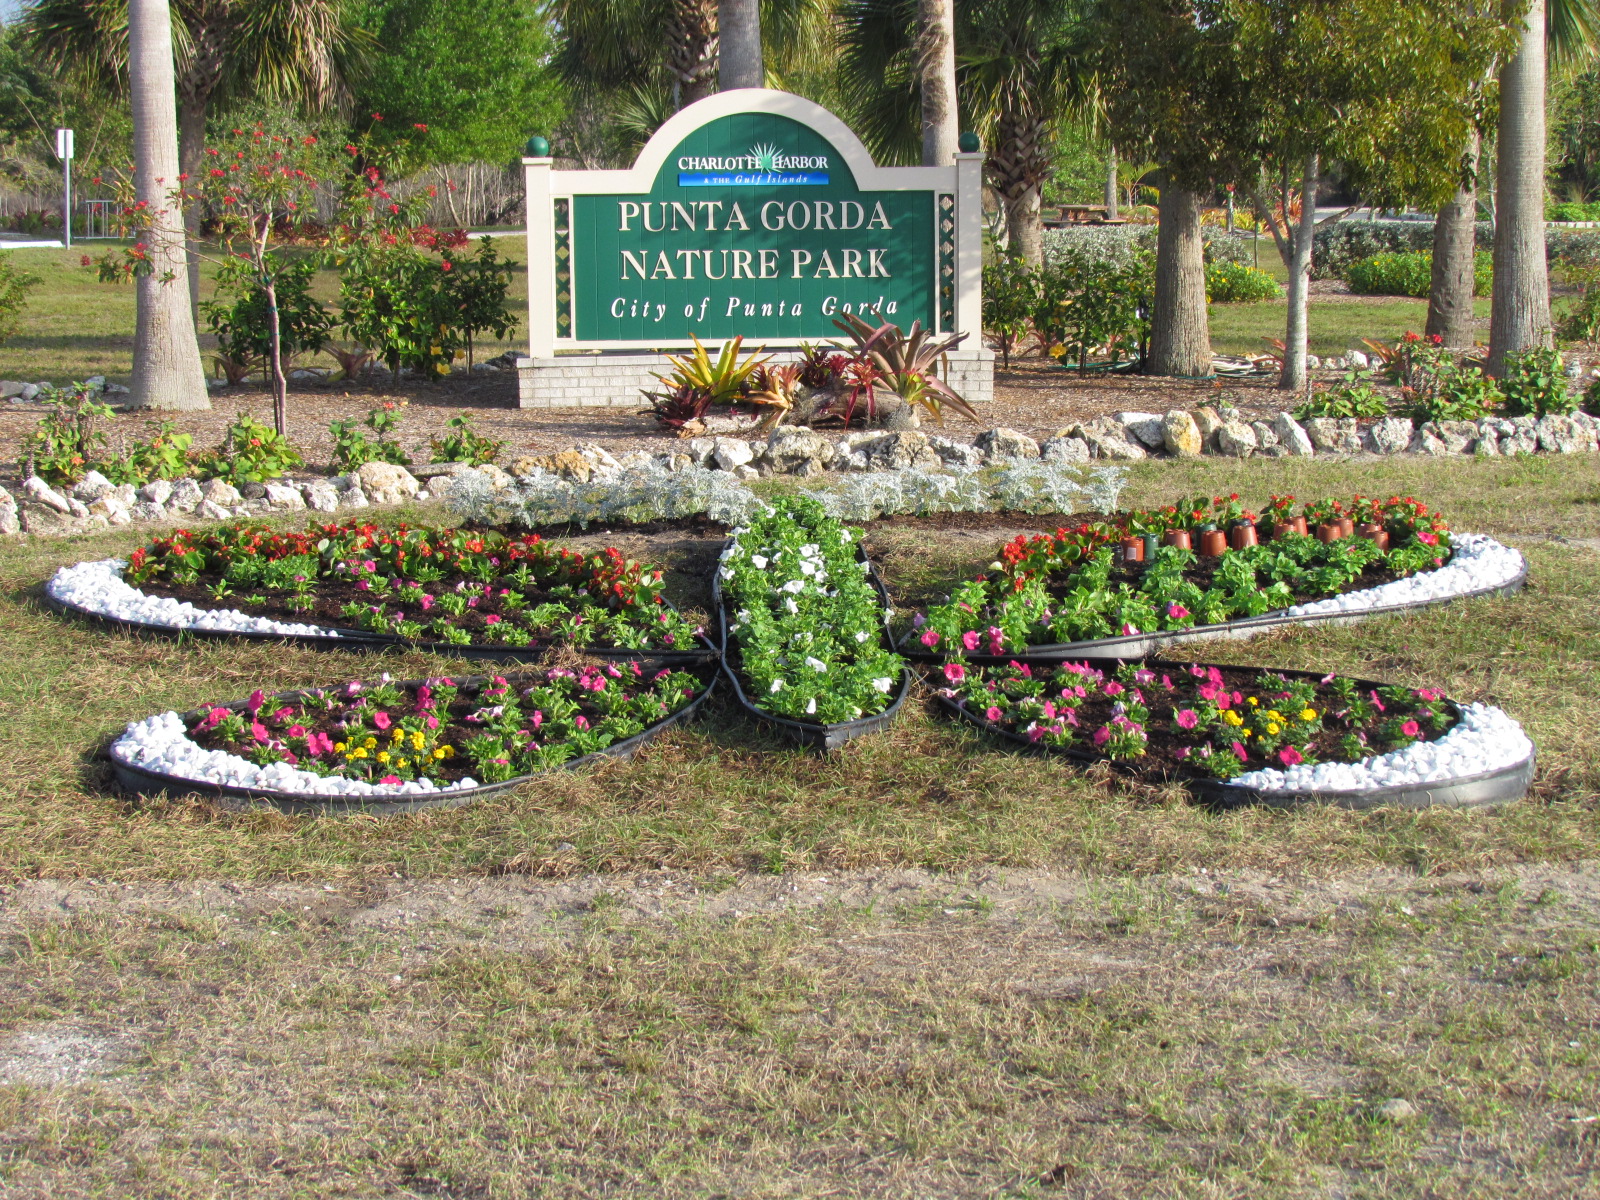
<point>1410,274</point>
<point>1235,283</point>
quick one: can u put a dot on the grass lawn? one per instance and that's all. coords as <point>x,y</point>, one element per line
<point>1337,324</point>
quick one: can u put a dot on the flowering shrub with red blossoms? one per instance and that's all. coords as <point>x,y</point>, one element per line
<point>1215,722</point>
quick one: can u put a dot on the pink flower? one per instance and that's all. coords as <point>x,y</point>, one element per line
<point>431,721</point>
<point>1188,718</point>
<point>257,699</point>
<point>993,714</point>
<point>1177,611</point>
<point>259,732</point>
<point>1427,538</point>
<point>213,718</point>
<point>491,619</point>
<point>581,722</point>
<point>538,719</point>
<point>1210,691</point>
<point>930,639</point>
<point>1429,694</point>
<point>1050,710</point>
<point>1411,729</point>
<point>295,731</point>
<point>1182,752</point>
<point>970,639</point>
<point>1238,749</point>
<point>381,720</point>
<point>1289,756</point>
<point>390,779</point>
<point>1198,672</point>
<point>283,714</point>
<point>1071,716</point>
<point>1114,688</point>
<point>1129,629</point>
<point>319,744</point>
<point>370,567</point>
<point>954,672</point>
<point>1166,682</point>
<point>426,602</point>
<point>1102,735</point>
<point>1376,701</point>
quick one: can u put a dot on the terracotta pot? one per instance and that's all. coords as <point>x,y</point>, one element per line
<point>1376,534</point>
<point>1299,525</point>
<point>1329,531</point>
<point>1179,538</point>
<point>1213,543</point>
<point>1242,535</point>
<point>1347,527</point>
<point>1132,549</point>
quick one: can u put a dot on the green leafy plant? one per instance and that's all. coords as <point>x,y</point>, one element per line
<point>905,363</point>
<point>352,447</point>
<point>464,444</point>
<point>15,284</point>
<point>65,444</point>
<point>251,451</point>
<point>723,380</point>
<point>164,456</point>
<point>1236,283</point>
<point>1010,295</point>
<point>475,289</point>
<point>1090,308</point>
<point>1411,274</point>
<point>241,320</point>
<point>1460,394</point>
<point>1535,383</point>
<point>1353,396</point>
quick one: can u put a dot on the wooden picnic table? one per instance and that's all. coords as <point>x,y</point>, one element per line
<point>1078,214</point>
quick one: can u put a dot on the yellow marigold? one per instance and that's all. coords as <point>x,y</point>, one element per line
<point>339,746</point>
<point>370,743</point>
<point>1308,714</point>
<point>439,753</point>
<point>383,756</point>
<point>400,762</point>
<point>359,753</point>
<point>418,741</point>
<point>1252,701</point>
<point>1273,728</point>
<point>449,751</point>
<point>1232,718</point>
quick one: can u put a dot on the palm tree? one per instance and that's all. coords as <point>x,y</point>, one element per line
<point>166,357</point>
<point>616,46</point>
<point>936,60</point>
<point>1017,78</point>
<point>740,64</point>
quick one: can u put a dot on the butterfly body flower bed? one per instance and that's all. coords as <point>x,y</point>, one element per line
<point>1238,735</point>
<point>397,746</point>
<point>804,623</point>
<point>1080,593</point>
<point>477,594</point>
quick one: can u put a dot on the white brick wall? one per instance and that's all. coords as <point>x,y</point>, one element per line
<point>619,380</point>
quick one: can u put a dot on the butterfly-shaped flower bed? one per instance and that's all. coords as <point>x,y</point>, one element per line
<point>1129,586</point>
<point>1241,734</point>
<point>394,746</point>
<point>806,641</point>
<point>478,594</point>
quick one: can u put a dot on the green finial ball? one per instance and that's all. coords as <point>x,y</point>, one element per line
<point>969,143</point>
<point>538,147</point>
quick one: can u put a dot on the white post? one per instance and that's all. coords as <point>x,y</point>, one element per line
<point>969,249</point>
<point>541,257</point>
<point>64,151</point>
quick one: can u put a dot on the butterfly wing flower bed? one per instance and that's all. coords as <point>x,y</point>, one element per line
<point>456,591</point>
<point>805,635</point>
<point>1239,734</point>
<point>1127,587</point>
<point>394,746</point>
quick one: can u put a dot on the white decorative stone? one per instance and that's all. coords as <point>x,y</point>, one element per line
<point>157,491</point>
<point>1391,435</point>
<point>1236,439</point>
<point>1143,427</point>
<point>280,495</point>
<point>731,452</point>
<point>98,587</point>
<point>1291,436</point>
<point>39,490</point>
<point>1002,443</point>
<point>91,487</point>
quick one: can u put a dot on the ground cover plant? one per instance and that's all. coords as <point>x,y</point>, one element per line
<point>444,731</point>
<point>453,587</point>
<point>1072,586</point>
<point>1194,721</point>
<point>804,619</point>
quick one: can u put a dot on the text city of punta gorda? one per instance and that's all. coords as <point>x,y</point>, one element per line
<point>713,216</point>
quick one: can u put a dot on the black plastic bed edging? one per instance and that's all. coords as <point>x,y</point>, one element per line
<point>140,781</point>
<point>1142,645</point>
<point>360,639</point>
<point>814,734</point>
<point>1500,786</point>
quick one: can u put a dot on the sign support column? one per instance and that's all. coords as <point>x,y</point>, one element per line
<point>541,253</point>
<point>65,152</point>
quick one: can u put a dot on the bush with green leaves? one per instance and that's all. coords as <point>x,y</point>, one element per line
<point>353,448</point>
<point>1353,396</point>
<point>1572,210</point>
<point>1235,283</point>
<point>164,456</point>
<point>65,444</point>
<point>1010,295</point>
<point>462,443</point>
<point>1336,246</point>
<point>1091,306</point>
<point>250,452</point>
<point>15,284</point>
<point>1534,383</point>
<point>474,292</point>
<point>1411,274</point>
<point>1459,394</point>
<point>239,316</point>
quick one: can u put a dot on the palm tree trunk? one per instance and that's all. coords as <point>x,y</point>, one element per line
<point>692,49</point>
<point>1293,375</point>
<point>1025,227</point>
<point>1520,317</point>
<point>1111,183</point>
<point>191,145</point>
<point>166,357</point>
<point>1180,338</point>
<point>1454,243</point>
<point>739,55</point>
<point>936,58</point>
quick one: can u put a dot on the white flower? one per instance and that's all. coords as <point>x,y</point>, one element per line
<point>861,635</point>
<point>759,561</point>
<point>795,586</point>
<point>816,664</point>
<point>811,706</point>
<point>792,606</point>
<point>777,686</point>
<point>883,685</point>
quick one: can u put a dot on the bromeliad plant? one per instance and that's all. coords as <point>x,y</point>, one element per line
<point>446,587</point>
<point>484,731</point>
<point>805,622</point>
<point>1204,722</point>
<point>1069,587</point>
<point>905,364</point>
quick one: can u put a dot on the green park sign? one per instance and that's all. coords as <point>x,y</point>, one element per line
<point>751,213</point>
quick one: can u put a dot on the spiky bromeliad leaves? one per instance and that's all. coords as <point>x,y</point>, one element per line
<point>905,363</point>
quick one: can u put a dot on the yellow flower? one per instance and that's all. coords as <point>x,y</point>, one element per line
<point>1232,718</point>
<point>370,743</point>
<point>400,762</point>
<point>358,753</point>
<point>1251,701</point>
<point>439,753</point>
<point>1308,714</point>
<point>418,741</point>
<point>339,746</point>
<point>383,756</point>
<point>1274,715</point>
<point>1273,728</point>
<point>449,751</point>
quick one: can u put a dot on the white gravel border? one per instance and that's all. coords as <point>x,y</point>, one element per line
<point>1476,563</point>
<point>1485,739</point>
<point>98,587</point>
<point>162,745</point>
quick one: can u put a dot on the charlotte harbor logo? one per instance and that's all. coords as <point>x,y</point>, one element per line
<point>763,163</point>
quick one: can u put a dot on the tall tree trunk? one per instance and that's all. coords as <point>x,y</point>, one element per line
<point>692,49</point>
<point>1293,375</point>
<point>1111,183</point>
<point>1025,227</point>
<point>191,146</point>
<point>166,357</point>
<point>739,55</point>
<point>936,61</point>
<point>280,386</point>
<point>1180,339</point>
<point>1520,317</point>
<point>1454,243</point>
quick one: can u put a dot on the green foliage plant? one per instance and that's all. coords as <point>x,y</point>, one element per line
<point>462,443</point>
<point>15,284</point>
<point>1460,394</point>
<point>722,380</point>
<point>906,363</point>
<point>475,289</point>
<point>1352,396</point>
<point>164,456</point>
<point>1089,306</point>
<point>1236,283</point>
<point>352,447</point>
<point>241,321</point>
<point>1411,274</point>
<point>66,445</point>
<point>1534,383</point>
<point>1010,295</point>
<point>252,452</point>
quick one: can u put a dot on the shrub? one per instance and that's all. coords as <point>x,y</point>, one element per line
<point>15,284</point>
<point>474,290</point>
<point>1535,383</point>
<point>1412,274</point>
<point>250,451</point>
<point>1089,305</point>
<point>65,444</point>
<point>1338,245</point>
<point>240,320</point>
<point>1591,398</point>
<point>1115,245</point>
<point>164,456</point>
<point>465,444</point>
<point>1354,396</point>
<point>1572,211</point>
<point>1461,394</point>
<point>352,447</point>
<point>1224,249</point>
<point>1010,294</point>
<point>1235,283</point>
